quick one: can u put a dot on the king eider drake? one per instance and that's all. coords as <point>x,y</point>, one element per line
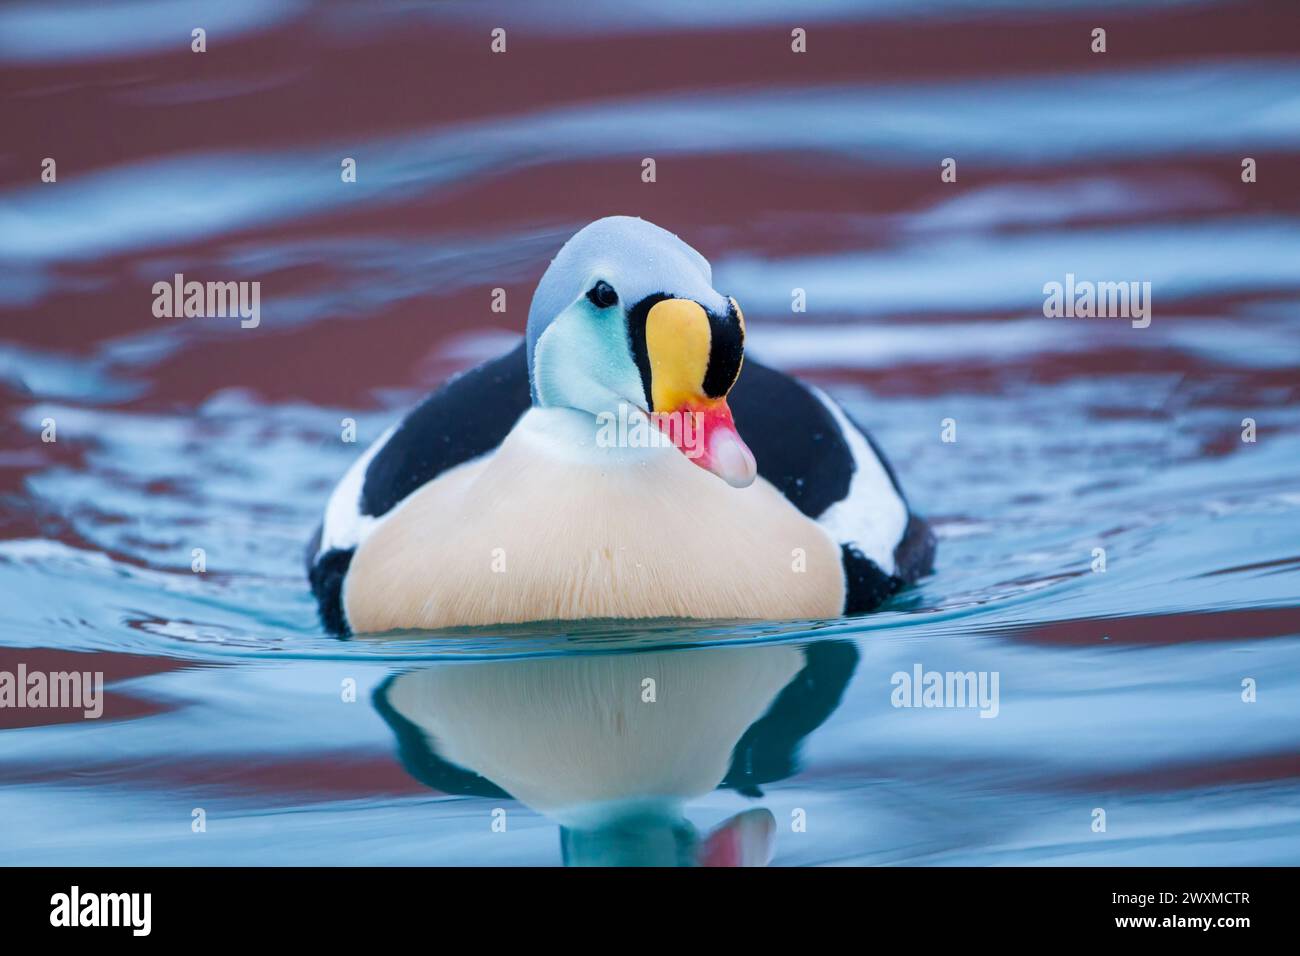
<point>533,487</point>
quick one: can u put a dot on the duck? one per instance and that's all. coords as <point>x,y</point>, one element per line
<point>626,460</point>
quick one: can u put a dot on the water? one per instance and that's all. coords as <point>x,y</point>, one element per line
<point>1119,690</point>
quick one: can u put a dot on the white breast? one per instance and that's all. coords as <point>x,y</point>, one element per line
<point>553,527</point>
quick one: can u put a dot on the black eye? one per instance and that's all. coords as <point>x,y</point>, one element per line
<point>602,294</point>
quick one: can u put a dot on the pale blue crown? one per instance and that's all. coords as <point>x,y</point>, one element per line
<point>636,257</point>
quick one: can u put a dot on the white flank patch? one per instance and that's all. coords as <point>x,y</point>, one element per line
<point>345,525</point>
<point>871,517</point>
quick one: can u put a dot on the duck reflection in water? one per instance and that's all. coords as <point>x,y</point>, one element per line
<point>613,745</point>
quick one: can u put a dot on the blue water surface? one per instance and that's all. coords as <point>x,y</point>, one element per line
<point>1157,690</point>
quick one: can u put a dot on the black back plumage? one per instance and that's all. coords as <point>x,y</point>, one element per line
<point>467,417</point>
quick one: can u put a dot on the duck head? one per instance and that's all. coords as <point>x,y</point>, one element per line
<point>626,321</point>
